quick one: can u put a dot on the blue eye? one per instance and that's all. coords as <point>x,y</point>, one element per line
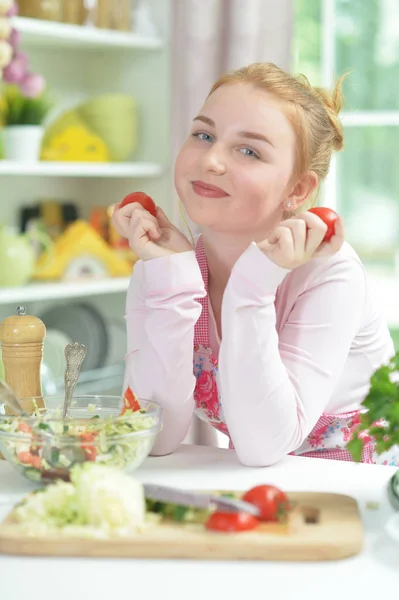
<point>249,152</point>
<point>205,137</point>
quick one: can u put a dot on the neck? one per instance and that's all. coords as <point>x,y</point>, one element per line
<point>222,252</point>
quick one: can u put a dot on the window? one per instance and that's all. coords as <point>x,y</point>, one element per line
<point>360,36</point>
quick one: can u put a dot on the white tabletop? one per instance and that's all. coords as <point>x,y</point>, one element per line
<point>366,576</point>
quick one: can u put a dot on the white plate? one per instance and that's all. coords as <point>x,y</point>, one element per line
<point>54,351</point>
<point>82,323</point>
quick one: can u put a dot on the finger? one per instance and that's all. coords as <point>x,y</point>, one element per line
<point>277,233</point>
<point>131,208</point>
<point>121,224</point>
<point>299,233</point>
<point>123,217</point>
<point>163,219</point>
<point>337,240</point>
<point>282,238</point>
<point>145,226</point>
<point>316,230</point>
<point>339,229</point>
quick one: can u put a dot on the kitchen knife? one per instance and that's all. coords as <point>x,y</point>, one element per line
<point>172,495</point>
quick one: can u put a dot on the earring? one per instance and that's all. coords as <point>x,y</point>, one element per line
<point>288,205</point>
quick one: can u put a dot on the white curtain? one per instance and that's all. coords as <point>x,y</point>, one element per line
<point>210,37</point>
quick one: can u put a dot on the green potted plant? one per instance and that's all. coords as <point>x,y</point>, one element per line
<point>381,417</point>
<point>23,101</point>
<point>22,120</point>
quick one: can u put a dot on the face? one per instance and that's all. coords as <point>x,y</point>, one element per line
<point>234,171</point>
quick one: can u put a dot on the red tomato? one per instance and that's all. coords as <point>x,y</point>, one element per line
<point>328,217</point>
<point>142,198</point>
<point>36,462</point>
<point>24,427</point>
<point>271,501</point>
<point>230,522</point>
<point>25,457</point>
<point>87,440</point>
<point>130,402</point>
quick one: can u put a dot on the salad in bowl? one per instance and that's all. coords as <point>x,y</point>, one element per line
<point>45,446</point>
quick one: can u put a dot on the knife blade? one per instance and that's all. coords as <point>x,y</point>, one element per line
<point>162,493</point>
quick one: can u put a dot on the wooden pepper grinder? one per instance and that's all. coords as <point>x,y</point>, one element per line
<point>22,337</point>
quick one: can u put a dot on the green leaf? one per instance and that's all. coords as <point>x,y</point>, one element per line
<point>179,512</point>
<point>381,403</point>
<point>19,110</point>
<point>355,447</point>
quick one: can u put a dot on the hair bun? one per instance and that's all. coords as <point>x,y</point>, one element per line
<point>333,103</point>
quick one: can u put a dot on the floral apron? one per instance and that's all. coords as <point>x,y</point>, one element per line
<point>330,434</point>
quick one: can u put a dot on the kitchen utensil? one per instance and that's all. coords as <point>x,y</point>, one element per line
<point>323,527</point>
<point>17,258</point>
<point>113,117</point>
<point>74,356</point>
<point>82,323</point>
<point>8,398</point>
<point>393,490</point>
<point>22,338</point>
<point>164,493</point>
<point>124,445</point>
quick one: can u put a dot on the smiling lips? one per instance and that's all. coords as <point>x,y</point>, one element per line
<point>208,191</point>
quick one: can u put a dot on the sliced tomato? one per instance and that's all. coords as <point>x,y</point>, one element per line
<point>24,427</point>
<point>91,452</point>
<point>27,458</point>
<point>130,402</point>
<point>271,501</point>
<point>328,216</point>
<point>36,462</point>
<point>231,522</point>
<point>143,199</point>
<point>24,457</point>
<point>87,440</point>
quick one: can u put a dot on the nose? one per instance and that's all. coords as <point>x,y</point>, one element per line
<point>214,159</point>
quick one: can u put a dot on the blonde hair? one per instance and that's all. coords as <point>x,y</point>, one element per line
<point>312,111</point>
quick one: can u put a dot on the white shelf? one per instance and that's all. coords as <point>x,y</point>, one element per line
<point>61,35</point>
<point>59,290</point>
<point>72,169</point>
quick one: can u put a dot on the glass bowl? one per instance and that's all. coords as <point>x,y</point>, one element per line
<point>44,447</point>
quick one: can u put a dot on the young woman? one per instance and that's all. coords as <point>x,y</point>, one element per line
<point>263,329</point>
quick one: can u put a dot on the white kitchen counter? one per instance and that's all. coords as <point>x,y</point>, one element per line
<point>366,576</point>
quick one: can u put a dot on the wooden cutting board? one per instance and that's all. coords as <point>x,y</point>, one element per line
<point>322,527</point>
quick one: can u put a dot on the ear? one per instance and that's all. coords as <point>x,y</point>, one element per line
<point>303,189</point>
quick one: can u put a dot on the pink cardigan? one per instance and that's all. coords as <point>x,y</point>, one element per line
<point>298,349</point>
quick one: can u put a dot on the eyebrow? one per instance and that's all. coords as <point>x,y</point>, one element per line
<point>206,120</point>
<point>255,136</point>
<point>246,134</point>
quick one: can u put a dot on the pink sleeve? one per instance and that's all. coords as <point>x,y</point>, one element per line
<point>275,388</point>
<point>161,311</point>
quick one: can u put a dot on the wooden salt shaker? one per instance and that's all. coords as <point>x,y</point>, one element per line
<point>22,337</point>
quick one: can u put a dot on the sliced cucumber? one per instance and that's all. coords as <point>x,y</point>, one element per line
<point>33,474</point>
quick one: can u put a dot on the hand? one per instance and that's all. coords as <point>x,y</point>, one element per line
<point>149,237</point>
<point>297,240</point>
